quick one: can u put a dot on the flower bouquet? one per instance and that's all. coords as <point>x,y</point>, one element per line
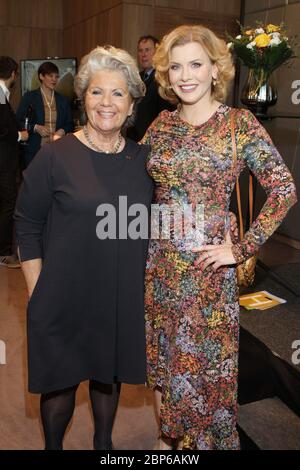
<point>263,49</point>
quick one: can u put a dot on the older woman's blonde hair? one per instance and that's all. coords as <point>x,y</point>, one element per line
<point>215,48</point>
<point>110,58</point>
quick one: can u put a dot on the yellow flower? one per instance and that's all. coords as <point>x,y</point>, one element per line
<point>262,40</point>
<point>249,32</point>
<point>272,28</point>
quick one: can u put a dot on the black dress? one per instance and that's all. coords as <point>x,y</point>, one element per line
<point>86,313</point>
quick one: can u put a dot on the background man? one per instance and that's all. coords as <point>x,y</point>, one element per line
<point>152,104</point>
<point>9,137</point>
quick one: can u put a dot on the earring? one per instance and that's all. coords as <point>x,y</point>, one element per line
<point>214,81</point>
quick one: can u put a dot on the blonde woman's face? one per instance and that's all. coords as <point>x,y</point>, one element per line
<point>191,72</point>
<point>108,101</point>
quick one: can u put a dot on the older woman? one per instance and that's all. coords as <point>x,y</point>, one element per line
<point>85,281</point>
<point>192,309</point>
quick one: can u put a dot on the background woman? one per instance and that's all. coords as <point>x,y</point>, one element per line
<point>49,111</point>
<point>86,310</point>
<point>192,309</point>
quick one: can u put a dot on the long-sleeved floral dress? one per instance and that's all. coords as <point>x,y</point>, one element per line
<point>192,315</point>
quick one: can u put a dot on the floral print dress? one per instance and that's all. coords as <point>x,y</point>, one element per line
<point>192,315</point>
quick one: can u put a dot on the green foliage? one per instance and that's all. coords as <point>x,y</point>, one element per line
<point>264,47</point>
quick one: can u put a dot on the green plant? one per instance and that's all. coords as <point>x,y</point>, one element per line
<point>265,47</point>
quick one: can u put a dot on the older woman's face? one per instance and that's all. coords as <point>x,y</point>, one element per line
<point>108,101</point>
<point>191,72</point>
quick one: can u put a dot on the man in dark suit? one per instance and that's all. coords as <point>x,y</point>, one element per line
<point>152,104</point>
<point>9,137</point>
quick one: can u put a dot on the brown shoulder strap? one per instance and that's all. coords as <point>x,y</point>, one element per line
<point>238,192</point>
<point>234,167</point>
<point>250,198</point>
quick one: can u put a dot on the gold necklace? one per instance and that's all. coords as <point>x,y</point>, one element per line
<point>49,104</point>
<point>92,144</point>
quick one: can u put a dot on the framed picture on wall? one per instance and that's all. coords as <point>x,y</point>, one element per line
<point>67,69</point>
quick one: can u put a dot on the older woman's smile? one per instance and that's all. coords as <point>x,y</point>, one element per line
<point>106,114</point>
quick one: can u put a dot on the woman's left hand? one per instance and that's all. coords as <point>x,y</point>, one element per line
<point>217,255</point>
<point>58,134</point>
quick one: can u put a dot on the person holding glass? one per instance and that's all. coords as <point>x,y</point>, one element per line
<point>45,111</point>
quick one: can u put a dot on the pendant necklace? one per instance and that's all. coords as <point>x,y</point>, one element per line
<point>98,149</point>
<point>49,104</point>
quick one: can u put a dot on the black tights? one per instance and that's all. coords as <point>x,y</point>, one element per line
<point>57,410</point>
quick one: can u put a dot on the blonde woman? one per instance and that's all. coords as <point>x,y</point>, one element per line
<point>192,309</point>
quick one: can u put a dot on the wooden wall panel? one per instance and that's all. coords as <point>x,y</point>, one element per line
<point>166,19</point>
<point>122,22</point>
<point>157,17</point>
<point>104,28</point>
<point>137,21</point>
<point>3,12</point>
<point>31,43</point>
<point>141,2</point>
<point>31,29</point>
<point>40,28</point>
<point>76,11</point>
<point>46,14</point>
<point>228,7</point>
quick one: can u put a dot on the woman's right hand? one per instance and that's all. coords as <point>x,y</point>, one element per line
<point>31,270</point>
<point>42,130</point>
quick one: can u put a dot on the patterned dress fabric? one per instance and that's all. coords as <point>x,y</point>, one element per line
<point>192,314</point>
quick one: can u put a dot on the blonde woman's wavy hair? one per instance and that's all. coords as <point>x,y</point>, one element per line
<point>111,58</point>
<point>215,48</point>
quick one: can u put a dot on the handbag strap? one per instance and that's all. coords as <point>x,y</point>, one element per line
<point>238,190</point>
